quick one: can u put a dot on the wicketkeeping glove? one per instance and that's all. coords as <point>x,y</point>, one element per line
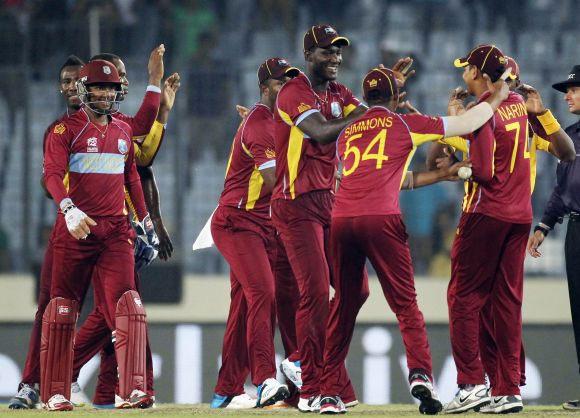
<point>144,254</point>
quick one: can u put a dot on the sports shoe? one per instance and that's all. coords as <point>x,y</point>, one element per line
<point>503,405</point>
<point>243,401</point>
<point>77,396</point>
<point>572,405</point>
<point>220,401</point>
<point>292,371</point>
<point>332,405</point>
<point>422,389</point>
<point>467,399</point>
<point>58,403</point>
<point>311,404</point>
<point>270,392</point>
<point>26,398</point>
<point>141,400</point>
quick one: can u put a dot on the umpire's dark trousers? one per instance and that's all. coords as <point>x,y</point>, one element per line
<point>572,253</point>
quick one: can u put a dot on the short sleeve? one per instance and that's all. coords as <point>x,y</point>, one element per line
<point>350,102</point>
<point>296,101</point>
<point>258,142</point>
<point>424,128</point>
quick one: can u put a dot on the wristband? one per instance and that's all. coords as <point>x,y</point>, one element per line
<point>66,204</point>
<point>549,122</point>
<point>544,229</point>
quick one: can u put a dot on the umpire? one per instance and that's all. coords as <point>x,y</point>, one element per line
<point>565,200</point>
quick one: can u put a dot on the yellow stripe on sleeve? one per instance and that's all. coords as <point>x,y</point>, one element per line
<point>348,109</point>
<point>541,143</point>
<point>457,142</point>
<point>419,139</point>
<point>254,189</point>
<point>149,147</point>
<point>294,151</point>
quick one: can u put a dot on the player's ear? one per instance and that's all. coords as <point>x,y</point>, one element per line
<point>307,55</point>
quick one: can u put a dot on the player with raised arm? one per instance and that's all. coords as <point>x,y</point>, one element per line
<point>376,150</point>
<point>93,234</point>
<point>243,233</point>
<point>27,396</point>
<point>496,209</point>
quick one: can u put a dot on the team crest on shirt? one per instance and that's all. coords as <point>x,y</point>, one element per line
<point>59,129</point>
<point>270,153</point>
<point>122,145</point>
<point>92,145</point>
<point>336,109</point>
<point>303,107</point>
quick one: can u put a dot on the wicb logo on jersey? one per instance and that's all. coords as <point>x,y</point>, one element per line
<point>122,146</point>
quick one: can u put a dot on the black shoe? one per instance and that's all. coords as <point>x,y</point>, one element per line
<point>422,389</point>
<point>572,405</point>
<point>26,398</point>
<point>332,405</point>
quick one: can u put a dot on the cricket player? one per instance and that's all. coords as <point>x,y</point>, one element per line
<point>496,209</point>
<point>94,334</point>
<point>376,150</point>
<point>93,234</point>
<point>311,110</point>
<point>27,396</point>
<point>242,231</point>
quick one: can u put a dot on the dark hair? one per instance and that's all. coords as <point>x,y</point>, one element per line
<point>377,96</point>
<point>71,61</point>
<point>107,56</point>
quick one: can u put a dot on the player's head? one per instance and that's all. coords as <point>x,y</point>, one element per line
<point>272,75</point>
<point>571,86</point>
<point>513,80</point>
<point>119,65</point>
<point>99,87</point>
<point>380,88</point>
<point>483,59</point>
<point>68,76</point>
<point>323,51</point>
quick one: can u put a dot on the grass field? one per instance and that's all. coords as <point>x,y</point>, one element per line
<point>199,411</point>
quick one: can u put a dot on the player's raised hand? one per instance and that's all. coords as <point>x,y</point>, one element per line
<point>170,88</point>
<point>402,70</point>
<point>456,105</point>
<point>406,105</point>
<point>534,242</point>
<point>242,111</point>
<point>155,66</point>
<point>534,103</point>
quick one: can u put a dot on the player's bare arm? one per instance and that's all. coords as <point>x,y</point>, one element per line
<point>168,93</point>
<point>151,195</point>
<point>447,172</point>
<point>324,131</point>
<point>561,145</point>
<point>269,176</point>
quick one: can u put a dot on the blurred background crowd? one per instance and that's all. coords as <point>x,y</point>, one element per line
<point>216,46</point>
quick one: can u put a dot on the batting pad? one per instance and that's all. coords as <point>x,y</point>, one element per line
<point>56,347</point>
<point>130,342</point>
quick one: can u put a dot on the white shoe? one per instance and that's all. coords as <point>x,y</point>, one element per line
<point>351,404</point>
<point>58,403</point>
<point>77,396</point>
<point>332,405</point>
<point>270,392</point>
<point>466,400</point>
<point>503,405</point>
<point>422,389</point>
<point>243,401</point>
<point>26,398</point>
<point>292,371</point>
<point>311,404</point>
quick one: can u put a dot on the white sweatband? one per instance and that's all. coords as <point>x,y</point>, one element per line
<point>153,88</point>
<point>470,121</point>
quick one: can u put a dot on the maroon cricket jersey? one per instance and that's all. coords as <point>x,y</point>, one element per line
<point>252,150</point>
<point>100,163</point>
<point>376,151</point>
<point>302,164</point>
<point>500,154</point>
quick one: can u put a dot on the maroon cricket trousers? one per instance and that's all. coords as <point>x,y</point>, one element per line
<point>487,265</point>
<point>383,240</point>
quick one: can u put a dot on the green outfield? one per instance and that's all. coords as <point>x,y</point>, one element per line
<point>170,410</point>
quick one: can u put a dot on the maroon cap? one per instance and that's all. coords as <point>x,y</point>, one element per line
<point>487,58</point>
<point>99,71</point>
<point>382,80</point>
<point>276,68</point>
<point>511,63</point>
<point>323,36</point>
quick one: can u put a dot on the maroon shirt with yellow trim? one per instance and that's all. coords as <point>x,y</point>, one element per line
<point>376,151</point>
<point>302,164</point>
<point>500,153</point>
<point>252,150</point>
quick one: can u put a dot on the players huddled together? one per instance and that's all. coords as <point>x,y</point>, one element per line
<point>311,193</point>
